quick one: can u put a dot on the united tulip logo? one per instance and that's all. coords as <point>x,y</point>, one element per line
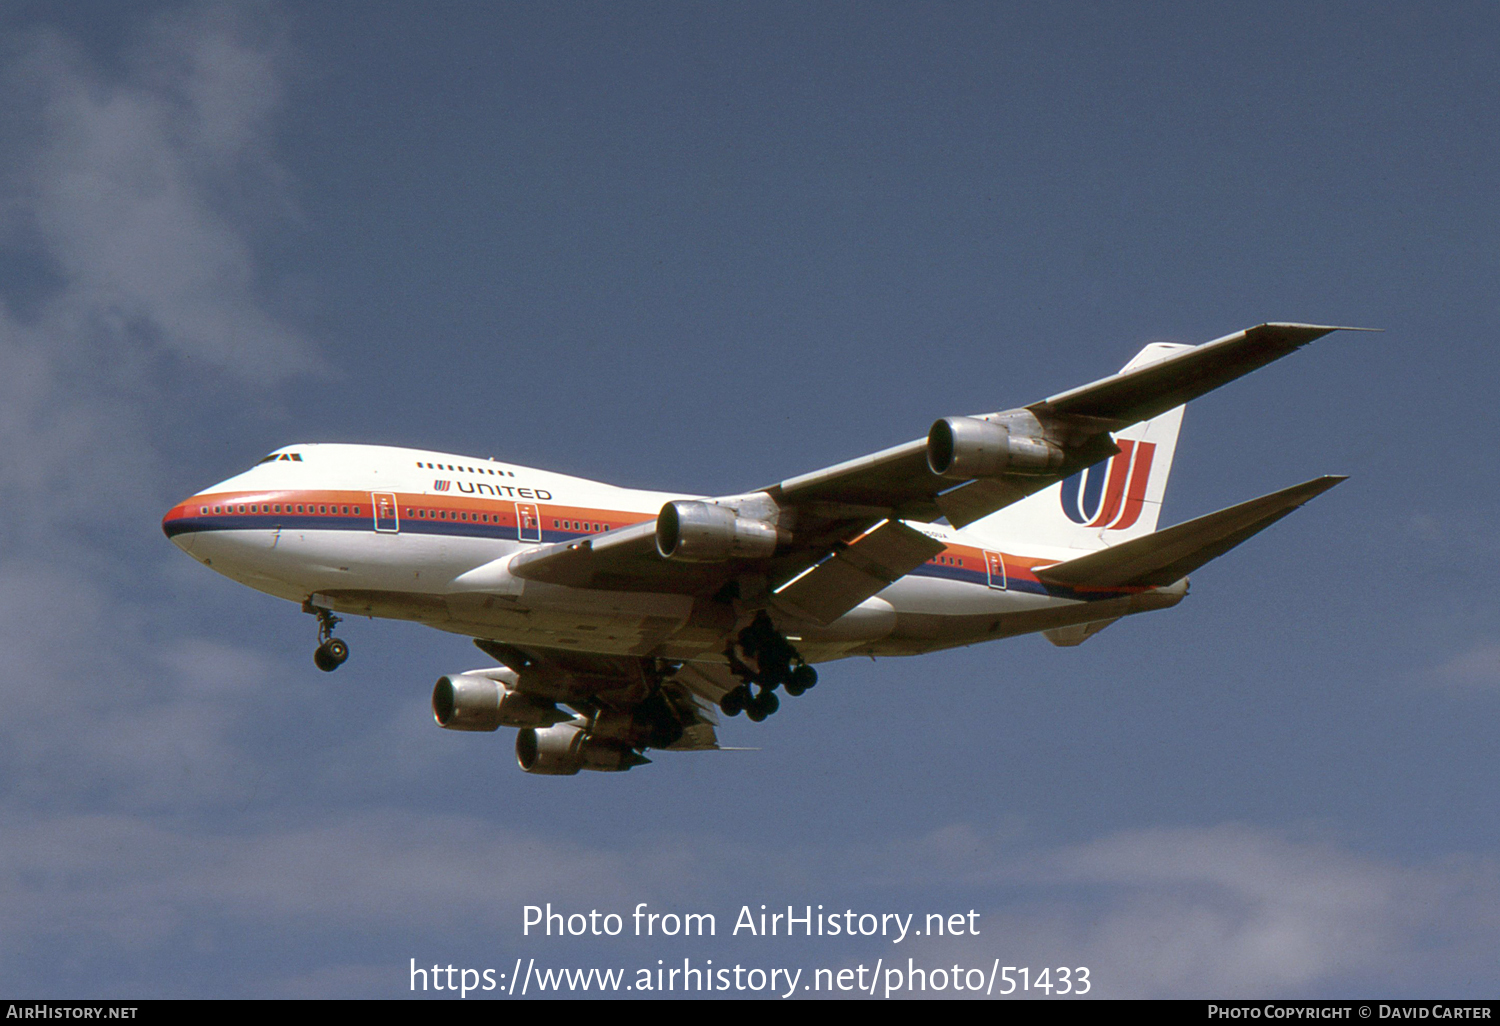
<point>1110,494</point>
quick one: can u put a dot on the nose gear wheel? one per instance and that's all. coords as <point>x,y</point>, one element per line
<point>331,652</point>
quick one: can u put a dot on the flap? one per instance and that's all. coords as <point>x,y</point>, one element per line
<point>868,564</point>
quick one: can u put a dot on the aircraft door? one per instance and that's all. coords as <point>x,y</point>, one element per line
<point>994,566</point>
<point>528,522</point>
<point>387,520</point>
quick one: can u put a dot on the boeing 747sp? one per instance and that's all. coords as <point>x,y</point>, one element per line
<point>625,620</point>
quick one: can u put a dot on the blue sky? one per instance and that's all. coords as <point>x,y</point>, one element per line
<point>707,247</point>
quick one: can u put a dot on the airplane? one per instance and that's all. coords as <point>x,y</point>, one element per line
<point>625,621</point>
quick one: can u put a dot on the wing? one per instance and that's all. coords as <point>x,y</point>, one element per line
<point>900,481</point>
<point>818,544</point>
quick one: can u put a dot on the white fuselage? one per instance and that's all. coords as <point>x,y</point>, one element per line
<point>425,536</point>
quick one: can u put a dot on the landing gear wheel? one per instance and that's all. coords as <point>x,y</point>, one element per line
<point>735,700</point>
<point>804,678</point>
<point>776,661</point>
<point>764,704</point>
<point>330,655</point>
<point>331,652</point>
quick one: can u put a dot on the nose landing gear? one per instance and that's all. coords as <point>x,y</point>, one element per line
<point>331,652</point>
<point>777,662</point>
<point>330,655</point>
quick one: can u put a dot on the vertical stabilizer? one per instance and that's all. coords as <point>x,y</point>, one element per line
<point>1105,504</point>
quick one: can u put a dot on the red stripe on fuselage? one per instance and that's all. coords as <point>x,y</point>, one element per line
<point>501,511</point>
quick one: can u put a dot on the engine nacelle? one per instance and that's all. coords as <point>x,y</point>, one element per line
<point>700,532</point>
<point>653,723</point>
<point>566,748</point>
<point>472,701</point>
<point>963,448</point>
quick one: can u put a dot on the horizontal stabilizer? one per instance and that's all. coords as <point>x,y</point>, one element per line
<point>1163,558</point>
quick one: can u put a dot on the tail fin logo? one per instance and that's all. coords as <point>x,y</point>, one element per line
<point>1112,492</point>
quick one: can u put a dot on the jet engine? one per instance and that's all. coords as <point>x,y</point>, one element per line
<point>566,748</point>
<point>473,701</point>
<point>701,532</point>
<point>963,448</point>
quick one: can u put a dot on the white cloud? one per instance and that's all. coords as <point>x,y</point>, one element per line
<point>1233,911</point>
<point>128,196</point>
<point>1478,667</point>
<point>1229,911</point>
<point>131,885</point>
<point>123,187</point>
<point>134,197</point>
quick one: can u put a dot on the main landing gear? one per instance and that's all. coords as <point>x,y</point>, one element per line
<point>331,652</point>
<point>777,663</point>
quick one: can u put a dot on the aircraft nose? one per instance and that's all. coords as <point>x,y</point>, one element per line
<point>178,525</point>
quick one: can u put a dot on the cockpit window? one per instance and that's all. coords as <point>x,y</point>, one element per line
<point>294,457</point>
